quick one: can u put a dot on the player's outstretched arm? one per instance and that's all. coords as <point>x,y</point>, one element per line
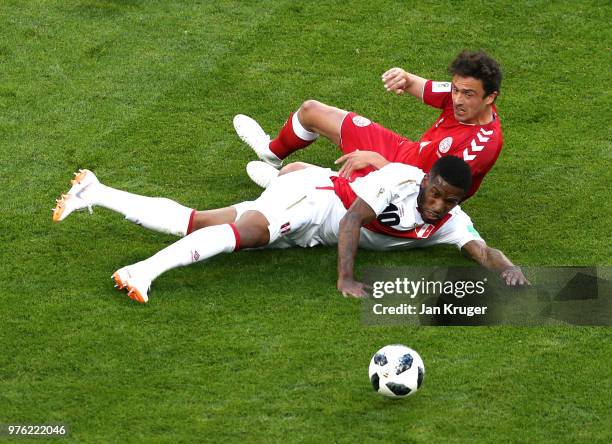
<point>495,260</point>
<point>359,214</point>
<point>399,81</point>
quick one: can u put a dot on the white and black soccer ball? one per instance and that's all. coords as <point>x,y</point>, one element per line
<point>396,371</point>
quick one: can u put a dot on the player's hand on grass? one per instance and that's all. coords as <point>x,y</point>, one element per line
<point>514,277</point>
<point>352,289</point>
<point>395,80</point>
<point>359,159</point>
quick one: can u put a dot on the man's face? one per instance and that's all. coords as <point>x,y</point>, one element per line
<point>436,198</point>
<point>469,101</point>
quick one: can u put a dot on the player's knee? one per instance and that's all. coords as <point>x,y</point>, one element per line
<point>322,119</point>
<point>309,110</point>
<point>293,166</point>
<point>311,106</point>
<point>253,230</point>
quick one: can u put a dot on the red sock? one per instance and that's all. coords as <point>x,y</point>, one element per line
<point>288,141</point>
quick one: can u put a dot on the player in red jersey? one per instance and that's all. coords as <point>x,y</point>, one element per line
<point>468,126</point>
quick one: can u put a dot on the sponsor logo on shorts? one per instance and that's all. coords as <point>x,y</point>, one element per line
<point>285,228</point>
<point>361,121</point>
<point>445,145</point>
<point>195,255</point>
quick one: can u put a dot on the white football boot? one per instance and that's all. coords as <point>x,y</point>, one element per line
<point>74,199</point>
<point>261,173</point>
<point>136,284</point>
<point>254,136</point>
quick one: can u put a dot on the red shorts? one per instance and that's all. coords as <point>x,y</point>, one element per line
<point>359,133</point>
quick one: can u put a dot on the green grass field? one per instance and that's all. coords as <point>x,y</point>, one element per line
<point>259,346</point>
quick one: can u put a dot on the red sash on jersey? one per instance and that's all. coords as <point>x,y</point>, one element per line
<point>346,194</point>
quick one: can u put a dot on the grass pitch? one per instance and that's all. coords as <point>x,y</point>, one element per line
<point>259,346</point>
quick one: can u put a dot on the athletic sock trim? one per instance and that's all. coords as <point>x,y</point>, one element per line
<point>236,235</point>
<point>190,224</point>
<point>292,137</point>
<point>300,131</point>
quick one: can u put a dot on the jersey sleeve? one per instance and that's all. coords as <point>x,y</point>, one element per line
<point>392,182</point>
<point>437,94</point>
<point>458,231</point>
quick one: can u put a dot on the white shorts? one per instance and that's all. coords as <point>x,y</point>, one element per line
<point>301,207</point>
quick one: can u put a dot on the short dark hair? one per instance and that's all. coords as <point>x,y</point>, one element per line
<point>479,65</point>
<point>454,171</point>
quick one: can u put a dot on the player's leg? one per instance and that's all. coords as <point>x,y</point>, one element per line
<point>302,128</point>
<point>209,218</point>
<point>156,213</point>
<point>359,133</point>
<point>263,174</point>
<point>321,119</point>
<point>278,214</point>
<point>250,231</point>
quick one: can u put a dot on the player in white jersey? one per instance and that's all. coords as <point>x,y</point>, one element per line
<point>395,207</point>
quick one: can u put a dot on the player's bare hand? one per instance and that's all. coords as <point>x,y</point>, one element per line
<point>395,80</point>
<point>359,159</point>
<point>514,277</point>
<point>352,289</point>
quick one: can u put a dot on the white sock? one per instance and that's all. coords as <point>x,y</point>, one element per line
<point>197,246</point>
<point>155,213</point>
<point>300,131</point>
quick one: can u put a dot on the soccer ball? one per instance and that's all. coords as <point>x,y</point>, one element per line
<point>396,371</point>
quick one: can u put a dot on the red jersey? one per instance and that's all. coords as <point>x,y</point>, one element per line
<point>478,145</point>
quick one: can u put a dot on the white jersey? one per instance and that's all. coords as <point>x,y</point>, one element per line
<point>304,210</point>
<point>392,194</point>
